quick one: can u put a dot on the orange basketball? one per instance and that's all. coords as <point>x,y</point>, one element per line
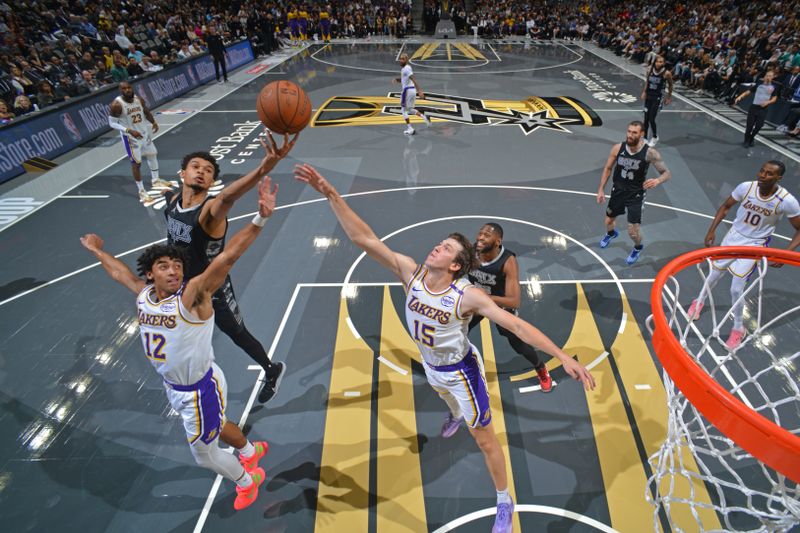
<point>283,107</point>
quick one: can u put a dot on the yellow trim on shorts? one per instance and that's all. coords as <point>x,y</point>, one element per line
<point>199,420</point>
<point>221,396</point>
<point>471,399</point>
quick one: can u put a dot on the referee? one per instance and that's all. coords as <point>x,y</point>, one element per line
<point>765,95</point>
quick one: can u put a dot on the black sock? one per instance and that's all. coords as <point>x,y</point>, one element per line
<point>611,233</point>
<point>639,246</point>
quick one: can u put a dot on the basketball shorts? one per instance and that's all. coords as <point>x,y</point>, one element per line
<point>201,405</point>
<point>408,98</point>
<point>631,202</point>
<point>739,267</point>
<point>136,148</point>
<point>466,382</point>
<point>294,28</point>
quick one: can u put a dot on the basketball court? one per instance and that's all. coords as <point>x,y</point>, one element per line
<point>521,131</point>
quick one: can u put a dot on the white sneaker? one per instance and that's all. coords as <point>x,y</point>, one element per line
<point>158,183</point>
<point>409,131</point>
<point>144,197</point>
<point>783,128</point>
<point>652,142</point>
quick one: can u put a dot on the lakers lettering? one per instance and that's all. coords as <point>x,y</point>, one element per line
<point>167,321</point>
<point>760,209</point>
<point>443,317</point>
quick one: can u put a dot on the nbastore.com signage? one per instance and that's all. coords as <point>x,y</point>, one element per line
<point>62,128</point>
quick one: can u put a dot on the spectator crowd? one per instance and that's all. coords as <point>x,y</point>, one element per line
<point>54,50</point>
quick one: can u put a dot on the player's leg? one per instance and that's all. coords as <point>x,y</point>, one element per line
<point>229,320</point>
<point>634,209</point>
<point>407,98</point>
<point>224,68</point>
<point>150,154</point>
<point>737,333</point>
<point>531,355</point>
<point>717,270</point>
<point>655,106</point>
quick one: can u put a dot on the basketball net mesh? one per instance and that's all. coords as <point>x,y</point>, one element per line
<point>696,459</point>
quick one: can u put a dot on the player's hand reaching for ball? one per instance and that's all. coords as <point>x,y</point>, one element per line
<point>309,174</point>
<point>273,153</point>
<point>579,373</point>
<point>92,242</point>
<point>266,197</point>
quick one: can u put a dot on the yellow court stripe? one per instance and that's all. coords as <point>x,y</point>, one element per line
<point>343,494</point>
<point>401,502</point>
<point>496,404</point>
<point>586,118</point>
<point>449,52</point>
<point>432,47</point>
<point>542,104</point>
<point>623,473</point>
<point>419,51</point>
<point>649,407</point>
<point>476,54</point>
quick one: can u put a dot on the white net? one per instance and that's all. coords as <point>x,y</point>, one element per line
<point>702,480</point>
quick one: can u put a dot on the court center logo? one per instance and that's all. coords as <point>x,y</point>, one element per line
<point>530,115</point>
<point>600,88</point>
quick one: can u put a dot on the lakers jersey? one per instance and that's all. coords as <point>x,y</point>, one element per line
<point>435,321</point>
<point>177,343</point>
<point>757,217</point>
<point>405,77</point>
<point>133,118</point>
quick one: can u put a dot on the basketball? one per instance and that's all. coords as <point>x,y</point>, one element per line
<point>283,107</point>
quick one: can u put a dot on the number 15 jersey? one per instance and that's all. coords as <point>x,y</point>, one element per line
<point>177,343</point>
<point>757,217</point>
<point>435,321</point>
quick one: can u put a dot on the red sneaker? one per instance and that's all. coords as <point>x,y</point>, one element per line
<point>544,379</point>
<point>250,463</point>
<point>694,310</point>
<point>245,496</point>
<point>735,339</point>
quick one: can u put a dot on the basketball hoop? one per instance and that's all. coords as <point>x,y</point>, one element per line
<point>736,411</point>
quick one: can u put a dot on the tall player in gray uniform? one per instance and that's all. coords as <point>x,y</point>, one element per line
<point>440,302</point>
<point>199,223</point>
<point>408,95</point>
<point>497,273</point>
<point>176,322</point>
<point>656,79</point>
<point>130,116</point>
<point>630,161</point>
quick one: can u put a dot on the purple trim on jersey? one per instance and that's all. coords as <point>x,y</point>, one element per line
<point>477,387</point>
<point>461,365</point>
<point>128,148</point>
<point>403,98</point>
<point>210,405</point>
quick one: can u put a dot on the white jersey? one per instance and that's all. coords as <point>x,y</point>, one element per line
<point>757,217</point>
<point>176,342</point>
<point>405,77</point>
<point>133,118</point>
<point>435,321</point>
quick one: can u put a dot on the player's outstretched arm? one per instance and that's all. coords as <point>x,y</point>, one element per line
<point>116,269</point>
<point>718,218</point>
<point>357,230</point>
<point>511,299</point>
<point>200,288</point>
<point>654,158</point>
<point>477,301</point>
<point>219,208</point>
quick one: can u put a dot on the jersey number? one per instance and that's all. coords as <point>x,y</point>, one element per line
<point>424,333</point>
<point>154,345</point>
<point>136,118</point>
<point>754,219</point>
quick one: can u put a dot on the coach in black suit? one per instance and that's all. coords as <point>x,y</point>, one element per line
<point>217,50</point>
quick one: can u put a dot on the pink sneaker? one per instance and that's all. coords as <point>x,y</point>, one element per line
<point>694,310</point>
<point>734,339</point>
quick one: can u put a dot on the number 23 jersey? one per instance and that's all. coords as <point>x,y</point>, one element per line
<point>757,217</point>
<point>435,321</point>
<point>176,342</point>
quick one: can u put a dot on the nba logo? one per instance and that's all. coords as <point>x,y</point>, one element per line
<point>72,129</point>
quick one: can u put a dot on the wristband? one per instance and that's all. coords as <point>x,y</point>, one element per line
<point>259,221</point>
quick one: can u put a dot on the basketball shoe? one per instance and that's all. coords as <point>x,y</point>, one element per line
<point>634,255</point>
<point>694,310</point>
<point>251,463</point>
<point>544,379</point>
<point>409,131</point>
<point>502,522</point>
<point>606,240</point>
<point>158,183</point>
<point>272,382</point>
<point>734,339</point>
<point>450,426</point>
<point>245,496</point>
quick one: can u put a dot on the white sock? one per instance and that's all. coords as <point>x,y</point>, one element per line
<point>153,175</point>
<point>247,450</point>
<point>503,496</point>
<point>139,186</point>
<point>244,481</point>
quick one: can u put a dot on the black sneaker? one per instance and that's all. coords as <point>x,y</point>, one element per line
<point>271,383</point>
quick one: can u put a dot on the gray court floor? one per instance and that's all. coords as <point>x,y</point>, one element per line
<point>89,442</point>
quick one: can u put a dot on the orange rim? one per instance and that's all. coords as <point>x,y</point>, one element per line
<point>763,439</point>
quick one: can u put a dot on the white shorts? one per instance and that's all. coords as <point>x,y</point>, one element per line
<point>466,382</point>
<point>136,148</point>
<point>739,267</point>
<point>202,408</point>
<point>408,98</point>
